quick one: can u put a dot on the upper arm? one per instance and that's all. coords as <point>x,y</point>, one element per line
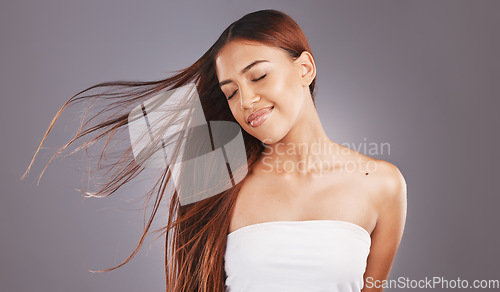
<point>388,231</point>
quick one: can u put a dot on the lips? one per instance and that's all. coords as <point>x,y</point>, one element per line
<point>259,112</point>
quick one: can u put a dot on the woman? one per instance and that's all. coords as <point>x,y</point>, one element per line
<point>311,215</point>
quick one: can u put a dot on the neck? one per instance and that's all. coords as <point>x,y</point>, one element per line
<point>305,149</point>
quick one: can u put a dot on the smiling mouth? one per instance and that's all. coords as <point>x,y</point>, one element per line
<point>260,116</point>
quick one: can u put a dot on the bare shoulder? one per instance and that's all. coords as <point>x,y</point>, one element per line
<point>389,176</point>
<point>389,197</point>
<point>391,190</point>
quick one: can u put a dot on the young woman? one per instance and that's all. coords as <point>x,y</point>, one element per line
<point>311,214</point>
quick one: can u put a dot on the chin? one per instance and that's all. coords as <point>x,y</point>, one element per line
<point>269,133</point>
<point>271,138</point>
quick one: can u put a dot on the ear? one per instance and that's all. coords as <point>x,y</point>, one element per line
<point>307,68</point>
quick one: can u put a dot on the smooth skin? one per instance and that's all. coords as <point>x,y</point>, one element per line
<point>288,184</point>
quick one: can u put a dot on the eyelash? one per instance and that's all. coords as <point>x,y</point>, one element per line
<point>255,80</point>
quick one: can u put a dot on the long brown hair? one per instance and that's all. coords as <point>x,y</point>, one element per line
<point>195,234</point>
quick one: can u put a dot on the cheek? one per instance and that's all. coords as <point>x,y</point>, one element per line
<point>286,83</point>
<point>283,90</point>
<point>238,114</point>
<point>286,92</point>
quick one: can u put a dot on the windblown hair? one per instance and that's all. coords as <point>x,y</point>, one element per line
<point>195,234</point>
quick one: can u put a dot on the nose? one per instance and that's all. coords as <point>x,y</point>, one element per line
<point>248,98</point>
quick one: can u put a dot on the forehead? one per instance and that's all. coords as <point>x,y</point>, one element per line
<point>237,54</point>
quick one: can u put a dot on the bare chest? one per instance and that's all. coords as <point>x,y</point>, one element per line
<point>266,199</point>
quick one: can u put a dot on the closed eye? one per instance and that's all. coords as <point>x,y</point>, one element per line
<point>254,80</point>
<point>262,77</point>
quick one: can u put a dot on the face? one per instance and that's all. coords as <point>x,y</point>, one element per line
<point>254,76</point>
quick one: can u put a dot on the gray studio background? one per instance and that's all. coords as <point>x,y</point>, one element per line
<point>420,75</point>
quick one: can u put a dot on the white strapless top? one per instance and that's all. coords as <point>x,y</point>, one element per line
<point>297,256</point>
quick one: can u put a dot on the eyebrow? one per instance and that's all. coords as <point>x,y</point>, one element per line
<point>243,71</point>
